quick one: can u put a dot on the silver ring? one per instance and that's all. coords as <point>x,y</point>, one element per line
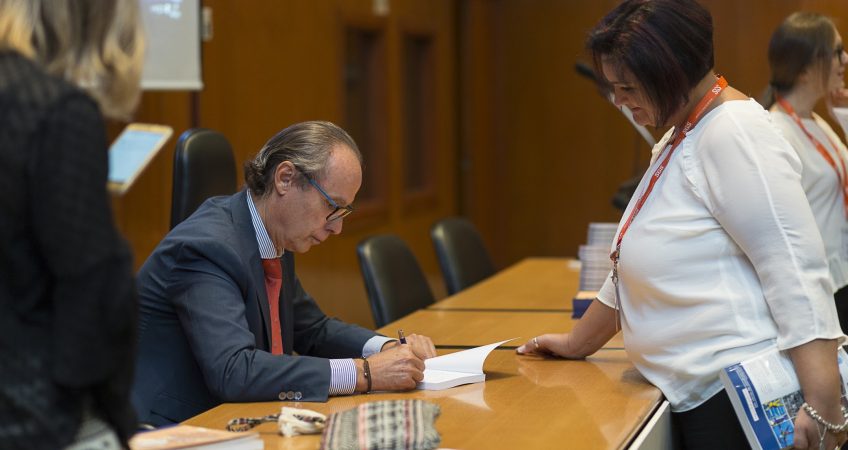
<point>536,342</point>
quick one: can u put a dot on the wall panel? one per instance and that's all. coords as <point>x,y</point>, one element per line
<point>273,63</point>
<point>542,152</point>
<point>522,145</point>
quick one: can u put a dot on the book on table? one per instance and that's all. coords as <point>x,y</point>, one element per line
<point>766,396</point>
<point>454,369</point>
<point>581,302</point>
<point>198,438</point>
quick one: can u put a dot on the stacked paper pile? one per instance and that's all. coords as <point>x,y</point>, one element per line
<point>595,264</point>
<point>601,234</point>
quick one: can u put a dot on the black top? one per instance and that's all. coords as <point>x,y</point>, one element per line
<point>67,303</point>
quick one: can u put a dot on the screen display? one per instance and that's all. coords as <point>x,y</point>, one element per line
<point>130,152</point>
<point>172,56</point>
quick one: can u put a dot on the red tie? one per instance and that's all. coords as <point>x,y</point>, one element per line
<point>273,282</point>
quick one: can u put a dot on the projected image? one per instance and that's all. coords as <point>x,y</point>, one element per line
<point>172,57</point>
<point>168,8</point>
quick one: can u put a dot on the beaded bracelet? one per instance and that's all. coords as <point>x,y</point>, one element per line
<point>366,368</point>
<point>830,427</point>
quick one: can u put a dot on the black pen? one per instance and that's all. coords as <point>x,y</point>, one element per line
<point>401,337</point>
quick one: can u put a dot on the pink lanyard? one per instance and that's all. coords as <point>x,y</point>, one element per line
<point>693,119</point>
<point>843,182</point>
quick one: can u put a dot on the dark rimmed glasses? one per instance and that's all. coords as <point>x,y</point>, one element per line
<point>339,212</point>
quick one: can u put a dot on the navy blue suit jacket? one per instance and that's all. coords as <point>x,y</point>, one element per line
<point>204,331</point>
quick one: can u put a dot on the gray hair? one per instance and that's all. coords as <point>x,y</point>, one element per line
<point>307,145</point>
<point>94,44</point>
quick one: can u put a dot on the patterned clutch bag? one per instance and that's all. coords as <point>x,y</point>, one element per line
<point>390,424</point>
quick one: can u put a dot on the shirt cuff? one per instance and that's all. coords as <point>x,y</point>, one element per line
<point>374,345</point>
<point>342,376</point>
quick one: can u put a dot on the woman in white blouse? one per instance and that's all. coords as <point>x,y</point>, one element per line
<point>718,256</point>
<point>807,61</point>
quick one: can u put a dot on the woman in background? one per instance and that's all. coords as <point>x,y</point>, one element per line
<point>717,257</point>
<point>807,61</point>
<point>67,300</point>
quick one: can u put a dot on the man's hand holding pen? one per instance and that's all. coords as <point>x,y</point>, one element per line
<point>421,346</point>
<point>399,365</point>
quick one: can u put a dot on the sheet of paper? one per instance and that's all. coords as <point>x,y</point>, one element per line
<point>467,361</point>
<point>440,376</point>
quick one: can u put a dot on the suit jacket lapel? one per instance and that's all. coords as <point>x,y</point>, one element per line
<point>247,239</point>
<point>287,303</point>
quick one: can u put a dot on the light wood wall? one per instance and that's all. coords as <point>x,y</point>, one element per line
<point>545,152</point>
<point>525,147</point>
<point>272,63</point>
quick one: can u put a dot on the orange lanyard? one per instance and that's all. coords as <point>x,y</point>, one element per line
<point>843,182</point>
<point>693,119</point>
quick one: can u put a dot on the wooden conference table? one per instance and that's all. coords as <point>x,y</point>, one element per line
<point>533,284</point>
<point>526,402</point>
<point>466,328</point>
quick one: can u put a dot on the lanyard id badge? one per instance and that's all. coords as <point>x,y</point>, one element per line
<point>678,137</point>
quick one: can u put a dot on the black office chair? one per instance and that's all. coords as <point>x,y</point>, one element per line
<point>393,279</point>
<point>203,167</point>
<point>462,256</point>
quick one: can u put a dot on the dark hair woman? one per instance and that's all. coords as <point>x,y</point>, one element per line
<point>807,61</point>
<point>717,257</point>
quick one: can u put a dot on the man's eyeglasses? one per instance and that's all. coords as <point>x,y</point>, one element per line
<point>339,212</point>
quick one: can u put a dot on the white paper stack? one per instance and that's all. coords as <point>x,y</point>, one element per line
<point>595,266</point>
<point>601,234</point>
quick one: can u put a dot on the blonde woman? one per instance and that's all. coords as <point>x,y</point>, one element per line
<point>67,301</point>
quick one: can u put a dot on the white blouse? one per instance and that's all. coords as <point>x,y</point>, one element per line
<point>822,186</point>
<point>724,260</point>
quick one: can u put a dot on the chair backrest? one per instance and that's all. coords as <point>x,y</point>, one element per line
<point>393,279</point>
<point>461,253</point>
<point>203,167</point>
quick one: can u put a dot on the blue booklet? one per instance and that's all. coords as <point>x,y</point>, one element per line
<point>766,396</point>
